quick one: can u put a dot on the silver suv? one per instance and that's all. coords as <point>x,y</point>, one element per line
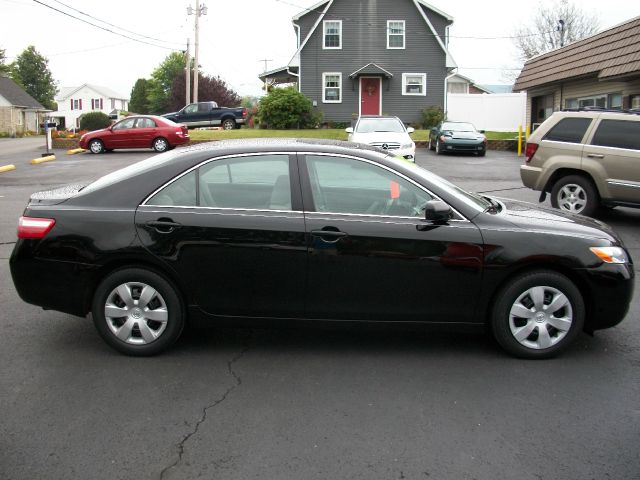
<point>585,159</point>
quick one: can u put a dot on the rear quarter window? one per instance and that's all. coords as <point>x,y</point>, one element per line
<point>570,130</point>
<point>618,133</point>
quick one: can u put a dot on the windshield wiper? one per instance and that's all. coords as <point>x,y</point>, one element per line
<point>494,206</point>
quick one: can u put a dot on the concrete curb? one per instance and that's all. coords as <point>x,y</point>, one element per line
<point>38,161</point>
<point>75,150</point>
<point>7,168</point>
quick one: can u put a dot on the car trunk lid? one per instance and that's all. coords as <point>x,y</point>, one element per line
<point>56,195</point>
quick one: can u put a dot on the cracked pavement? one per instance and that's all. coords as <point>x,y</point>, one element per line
<point>308,404</point>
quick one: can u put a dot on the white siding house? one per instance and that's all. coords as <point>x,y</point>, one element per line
<point>74,101</point>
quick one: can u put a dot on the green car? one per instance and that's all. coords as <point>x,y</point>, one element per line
<point>457,137</point>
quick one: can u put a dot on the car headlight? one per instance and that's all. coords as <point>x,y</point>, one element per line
<point>407,145</point>
<point>610,254</point>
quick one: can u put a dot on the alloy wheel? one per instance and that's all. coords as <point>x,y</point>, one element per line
<point>572,198</point>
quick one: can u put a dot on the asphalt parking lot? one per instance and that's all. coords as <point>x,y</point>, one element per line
<point>306,404</point>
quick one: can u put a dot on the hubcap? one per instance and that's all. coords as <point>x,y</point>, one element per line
<point>540,317</point>
<point>161,145</point>
<point>136,313</point>
<point>572,198</point>
<point>96,147</point>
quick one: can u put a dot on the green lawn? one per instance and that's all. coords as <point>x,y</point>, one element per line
<point>327,133</point>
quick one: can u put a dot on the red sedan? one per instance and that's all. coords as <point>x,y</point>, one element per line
<point>148,131</point>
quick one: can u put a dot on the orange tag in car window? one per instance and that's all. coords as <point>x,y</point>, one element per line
<point>395,190</point>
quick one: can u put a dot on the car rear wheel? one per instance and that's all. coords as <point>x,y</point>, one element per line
<point>575,194</point>
<point>228,124</point>
<point>537,315</point>
<point>137,312</point>
<point>96,146</point>
<point>160,145</point>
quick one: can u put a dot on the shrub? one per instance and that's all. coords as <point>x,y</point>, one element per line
<point>94,121</point>
<point>285,108</point>
<point>432,116</point>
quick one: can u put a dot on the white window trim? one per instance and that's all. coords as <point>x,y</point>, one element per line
<point>324,34</point>
<point>324,86</point>
<point>424,84</point>
<point>404,34</point>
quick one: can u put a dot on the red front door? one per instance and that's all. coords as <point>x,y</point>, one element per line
<point>370,96</point>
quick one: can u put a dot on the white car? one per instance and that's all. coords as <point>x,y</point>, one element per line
<point>388,133</point>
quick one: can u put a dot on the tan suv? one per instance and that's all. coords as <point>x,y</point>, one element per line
<point>585,159</point>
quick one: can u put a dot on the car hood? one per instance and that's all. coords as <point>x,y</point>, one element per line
<point>377,137</point>
<point>464,135</point>
<point>528,216</point>
<point>97,132</point>
<point>169,114</point>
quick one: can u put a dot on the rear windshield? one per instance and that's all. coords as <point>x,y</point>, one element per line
<point>130,171</point>
<point>570,130</point>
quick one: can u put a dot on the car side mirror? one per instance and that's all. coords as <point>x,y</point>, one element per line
<point>411,130</point>
<point>481,131</point>
<point>437,211</point>
<point>349,130</point>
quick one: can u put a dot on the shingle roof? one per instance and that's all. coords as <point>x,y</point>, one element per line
<point>611,53</point>
<point>16,95</point>
<point>66,92</point>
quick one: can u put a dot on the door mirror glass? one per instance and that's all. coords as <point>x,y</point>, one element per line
<point>411,130</point>
<point>437,211</point>
<point>349,130</point>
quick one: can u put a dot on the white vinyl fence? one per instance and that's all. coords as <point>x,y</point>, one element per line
<point>498,112</point>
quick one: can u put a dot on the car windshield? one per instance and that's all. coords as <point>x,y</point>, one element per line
<point>370,125</point>
<point>458,127</point>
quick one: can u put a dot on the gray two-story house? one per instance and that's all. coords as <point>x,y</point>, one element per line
<point>370,57</point>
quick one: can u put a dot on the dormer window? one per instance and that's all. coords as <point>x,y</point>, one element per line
<point>395,34</point>
<point>332,34</point>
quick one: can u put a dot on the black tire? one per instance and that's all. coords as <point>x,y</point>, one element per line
<point>430,145</point>
<point>139,334</point>
<point>575,194</point>
<point>438,148</point>
<point>228,124</point>
<point>160,144</point>
<point>482,154</point>
<point>518,297</point>
<point>96,146</point>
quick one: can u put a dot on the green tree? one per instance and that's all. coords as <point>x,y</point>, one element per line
<point>4,68</point>
<point>31,71</point>
<point>94,121</point>
<point>159,87</point>
<point>139,96</point>
<point>286,108</point>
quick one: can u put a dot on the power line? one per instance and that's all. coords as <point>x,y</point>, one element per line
<point>115,26</point>
<point>104,28</point>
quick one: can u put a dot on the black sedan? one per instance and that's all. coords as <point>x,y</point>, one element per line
<point>316,231</point>
<point>457,137</point>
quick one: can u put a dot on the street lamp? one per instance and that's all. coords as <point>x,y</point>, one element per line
<point>201,9</point>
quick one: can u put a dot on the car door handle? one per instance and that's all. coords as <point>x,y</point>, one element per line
<point>329,235</point>
<point>595,155</point>
<point>164,225</point>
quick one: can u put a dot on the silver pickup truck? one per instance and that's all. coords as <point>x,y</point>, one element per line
<point>209,114</point>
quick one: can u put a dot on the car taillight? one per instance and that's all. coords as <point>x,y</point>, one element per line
<point>530,151</point>
<point>244,113</point>
<point>29,227</point>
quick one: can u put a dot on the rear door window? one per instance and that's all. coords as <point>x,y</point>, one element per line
<point>618,134</point>
<point>570,130</point>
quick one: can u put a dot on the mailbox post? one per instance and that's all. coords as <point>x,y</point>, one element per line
<point>48,125</point>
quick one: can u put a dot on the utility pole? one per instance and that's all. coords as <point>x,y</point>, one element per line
<point>187,72</point>
<point>200,10</point>
<point>561,30</point>
<point>265,60</point>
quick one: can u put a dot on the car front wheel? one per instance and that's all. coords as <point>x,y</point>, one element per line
<point>137,312</point>
<point>438,148</point>
<point>96,146</point>
<point>538,314</point>
<point>575,194</point>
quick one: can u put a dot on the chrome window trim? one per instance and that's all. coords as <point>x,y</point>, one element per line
<point>288,154</point>
<point>401,175</point>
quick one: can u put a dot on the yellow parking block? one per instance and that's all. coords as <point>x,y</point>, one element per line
<point>7,168</point>
<point>75,150</point>
<point>37,161</point>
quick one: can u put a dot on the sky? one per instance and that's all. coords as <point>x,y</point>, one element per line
<point>236,36</point>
